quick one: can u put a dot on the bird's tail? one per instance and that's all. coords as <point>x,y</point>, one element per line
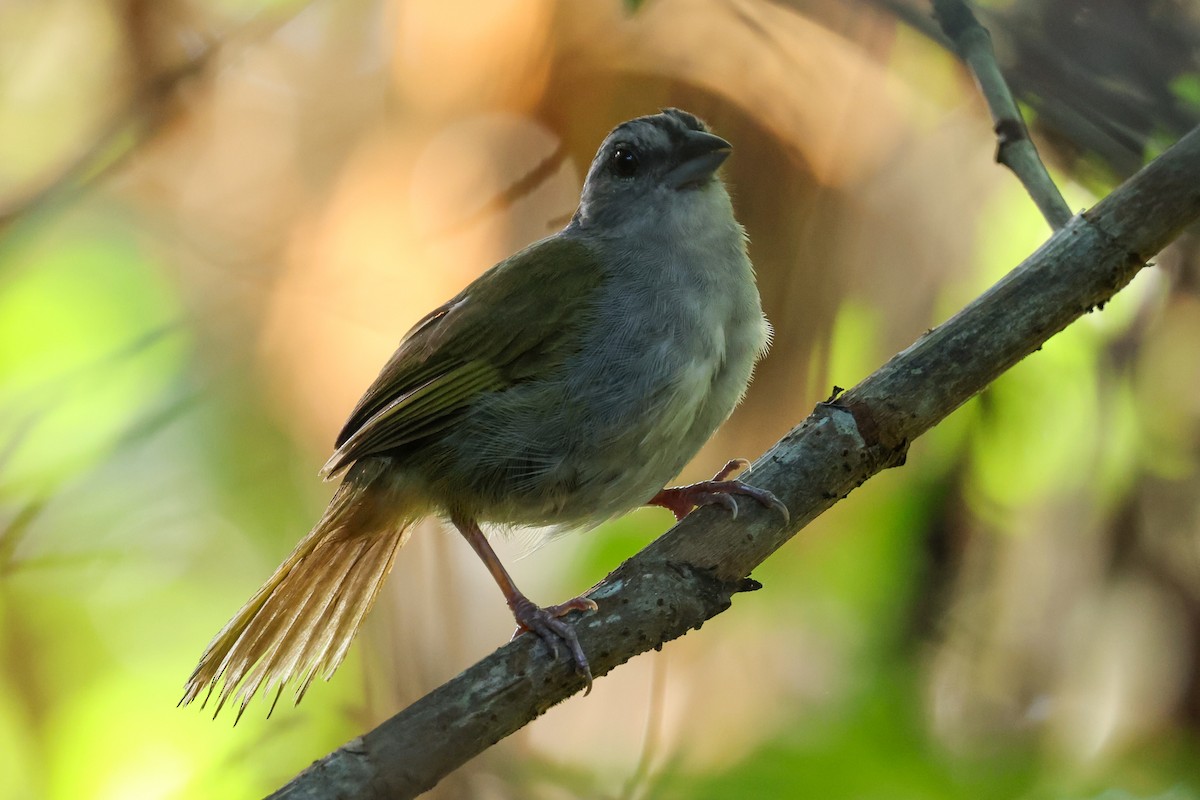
<point>300,623</point>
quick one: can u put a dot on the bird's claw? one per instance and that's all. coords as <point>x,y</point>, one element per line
<point>718,491</point>
<point>732,466</point>
<point>550,628</point>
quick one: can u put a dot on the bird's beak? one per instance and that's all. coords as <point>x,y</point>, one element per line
<point>699,156</point>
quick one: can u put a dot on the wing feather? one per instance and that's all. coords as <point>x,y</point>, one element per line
<point>409,417</point>
<point>517,320</point>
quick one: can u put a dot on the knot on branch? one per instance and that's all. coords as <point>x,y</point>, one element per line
<point>1095,219</point>
<point>882,446</point>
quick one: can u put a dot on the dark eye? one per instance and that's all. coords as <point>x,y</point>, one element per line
<point>624,161</point>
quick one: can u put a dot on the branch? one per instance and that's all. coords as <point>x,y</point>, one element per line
<point>693,571</point>
<point>1015,149</point>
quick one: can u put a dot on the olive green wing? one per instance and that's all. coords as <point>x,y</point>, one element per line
<point>520,318</point>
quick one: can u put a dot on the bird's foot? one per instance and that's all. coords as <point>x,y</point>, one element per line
<point>719,491</point>
<point>547,624</point>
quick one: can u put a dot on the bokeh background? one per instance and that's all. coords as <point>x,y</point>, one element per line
<point>217,217</point>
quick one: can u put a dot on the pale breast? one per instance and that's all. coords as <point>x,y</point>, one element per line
<point>669,348</point>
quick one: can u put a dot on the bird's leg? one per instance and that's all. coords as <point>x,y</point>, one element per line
<point>544,622</point>
<point>680,500</point>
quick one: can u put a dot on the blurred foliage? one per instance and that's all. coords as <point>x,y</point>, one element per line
<point>217,217</point>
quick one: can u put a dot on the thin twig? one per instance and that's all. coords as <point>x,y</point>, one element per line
<point>692,572</point>
<point>148,110</point>
<point>654,723</point>
<point>1015,149</point>
<point>142,116</point>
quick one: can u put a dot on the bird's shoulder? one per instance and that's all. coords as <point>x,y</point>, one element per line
<point>517,319</point>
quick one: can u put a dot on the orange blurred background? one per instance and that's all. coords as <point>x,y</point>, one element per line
<point>218,218</point>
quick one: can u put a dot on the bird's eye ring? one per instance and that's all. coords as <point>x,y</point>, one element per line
<point>624,161</point>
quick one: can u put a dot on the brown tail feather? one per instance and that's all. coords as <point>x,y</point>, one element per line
<point>301,622</point>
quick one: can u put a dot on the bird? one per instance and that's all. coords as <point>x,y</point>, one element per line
<point>562,388</point>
